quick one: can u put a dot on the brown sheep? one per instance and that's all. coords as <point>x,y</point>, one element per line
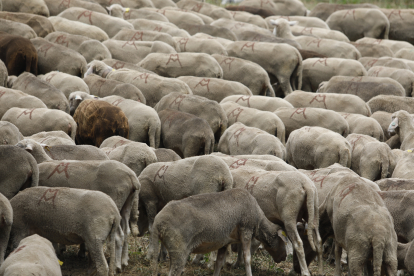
<point>98,120</point>
<point>18,54</point>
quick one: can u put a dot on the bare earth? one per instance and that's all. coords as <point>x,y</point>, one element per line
<point>262,264</point>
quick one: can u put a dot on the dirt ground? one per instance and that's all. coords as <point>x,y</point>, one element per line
<point>262,264</point>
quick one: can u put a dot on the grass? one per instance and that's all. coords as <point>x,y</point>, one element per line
<point>262,264</point>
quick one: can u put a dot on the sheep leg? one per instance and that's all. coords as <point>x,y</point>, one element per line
<point>119,243</point>
<point>177,262</point>
<point>97,255</point>
<point>246,239</point>
<point>82,251</point>
<point>297,243</point>
<point>254,246</point>
<point>239,261</point>
<point>221,259</point>
<point>338,253</point>
<point>162,257</point>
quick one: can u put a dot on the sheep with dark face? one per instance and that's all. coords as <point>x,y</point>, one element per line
<point>185,227</point>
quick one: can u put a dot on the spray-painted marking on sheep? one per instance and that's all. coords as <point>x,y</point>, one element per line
<point>170,118</point>
<point>61,168</point>
<point>143,76</point>
<point>352,88</point>
<point>197,7</point>
<point>27,112</point>
<point>346,192</point>
<point>98,84</point>
<point>354,141</point>
<point>396,13</point>
<point>244,99</point>
<point>117,102</point>
<point>47,138</point>
<point>320,178</point>
<point>307,30</point>
<point>322,99</point>
<point>161,174</point>
<point>45,48</point>
<point>87,14</point>
<point>371,62</point>
<point>158,29</point>
<point>52,197</point>
<point>177,101</point>
<point>235,113</point>
<point>138,36</point>
<point>18,249</point>
<point>248,45</point>
<point>62,40</point>
<point>317,41</point>
<point>236,135</point>
<point>237,26</point>
<point>64,3</point>
<point>253,181</point>
<point>346,115</point>
<point>262,2</point>
<point>349,12</point>
<point>120,143</point>
<point>26,82</point>
<point>357,79</point>
<point>376,72</point>
<point>50,77</point>
<point>174,58</point>
<point>204,82</point>
<point>299,111</point>
<point>323,61</point>
<point>237,164</point>
<point>132,43</point>
<point>2,93</point>
<point>118,65</point>
<point>183,42</point>
<point>227,61</point>
<point>307,129</point>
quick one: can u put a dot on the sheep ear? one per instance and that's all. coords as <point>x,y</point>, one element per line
<point>29,148</point>
<point>293,23</point>
<point>90,71</point>
<point>274,31</point>
<point>274,22</point>
<point>77,97</point>
<point>282,235</point>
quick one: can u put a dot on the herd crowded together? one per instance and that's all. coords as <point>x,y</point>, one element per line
<point>261,123</point>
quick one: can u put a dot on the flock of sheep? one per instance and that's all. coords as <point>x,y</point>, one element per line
<point>257,124</point>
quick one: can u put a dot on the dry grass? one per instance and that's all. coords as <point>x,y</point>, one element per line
<point>262,264</point>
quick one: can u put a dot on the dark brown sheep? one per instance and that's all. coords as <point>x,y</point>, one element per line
<point>18,54</point>
<point>98,120</point>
